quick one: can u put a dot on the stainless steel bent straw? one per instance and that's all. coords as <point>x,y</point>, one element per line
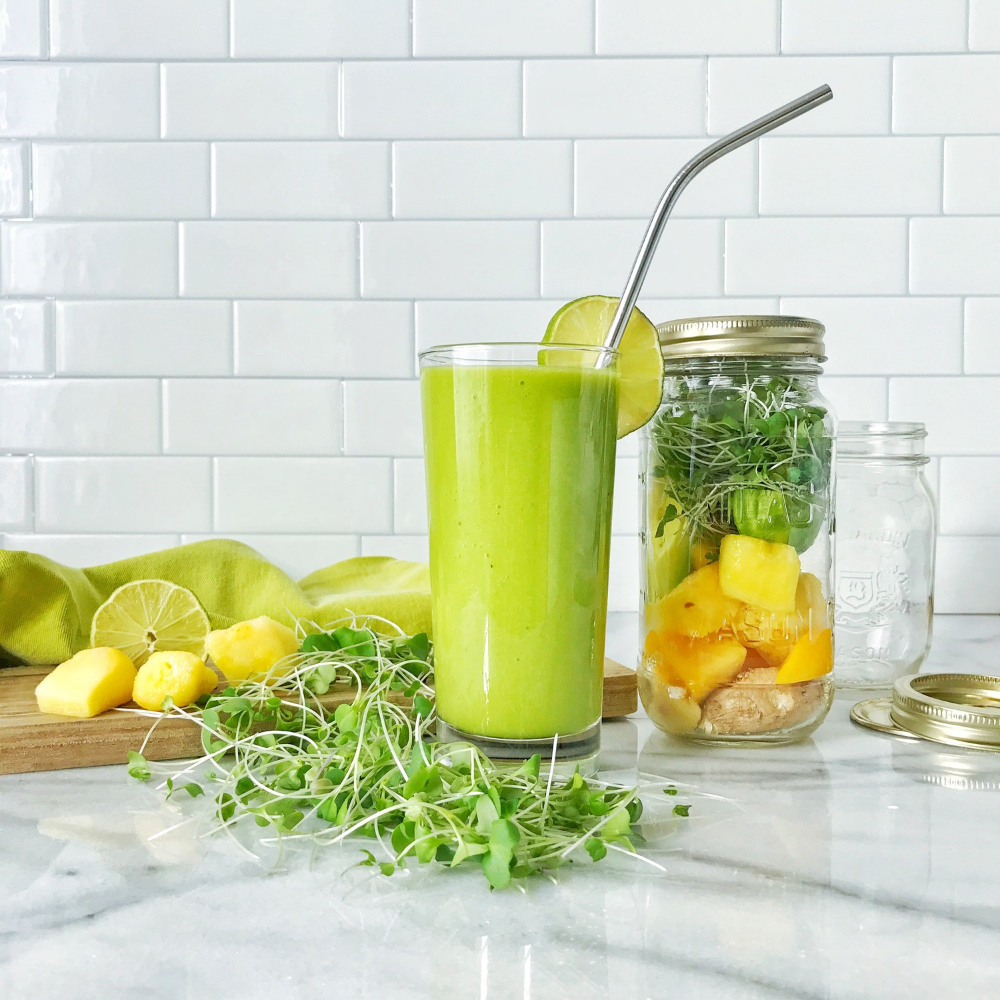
<point>693,167</point>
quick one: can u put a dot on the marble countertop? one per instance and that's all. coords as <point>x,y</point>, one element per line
<point>851,865</point>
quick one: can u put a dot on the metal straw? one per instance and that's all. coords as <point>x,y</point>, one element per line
<point>692,168</point>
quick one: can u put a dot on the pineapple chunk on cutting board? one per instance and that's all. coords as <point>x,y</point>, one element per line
<point>86,684</point>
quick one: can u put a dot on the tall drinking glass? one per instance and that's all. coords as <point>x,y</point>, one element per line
<point>520,445</point>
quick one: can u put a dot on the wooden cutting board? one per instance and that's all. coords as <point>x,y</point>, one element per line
<point>31,741</point>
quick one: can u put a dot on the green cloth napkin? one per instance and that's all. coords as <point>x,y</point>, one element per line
<point>46,608</point>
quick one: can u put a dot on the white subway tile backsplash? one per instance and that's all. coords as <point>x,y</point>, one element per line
<point>855,398</point>
<point>250,100</point>
<point>971,168</point>
<point>614,97</point>
<point>90,550</point>
<point>816,256</point>
<point>483,322</point>
<point>267,416</point>
<point>15,178</point>
<point>584,257</point>
<point>343,339</point>
<point>125,29</point>
<point>955,256</point>
<point>80,101</point>
<point>229,225</point>
<point>966,578</point>
<point>156,337</point>
<point>947,406</point>
<point>382,418</point>
<point>677,27</point>
<point>22,29</point>
<point>741,89</point>
<point>625,178</point>
<point>24,337</point>
<point>15,493</point>
<point>893,335</point>
<point>431,100</point>
<point>850,176</point>
<point>513,28</point>
<point>126,259</point>
<point>863,26</point>
<point>320,29</point>
<point>964,483</point>
<point>982,336</point>
<point>623,577</point>
<point>946,94</point>
<point>126,180</point>
<point>409,497</point>
<point>449,259</point>
<point>142,494</point>
<point>268,259</point>
<point>412,548</point>
<point>80,416</point>
<point>303,495</point>
<point>300,180</point>
<point>512,179</point>
<point>297,555</point>
<point>984,25</point>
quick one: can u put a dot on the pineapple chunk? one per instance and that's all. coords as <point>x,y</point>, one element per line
<point>696,607</point>
<point>250,648</point>
<point>698,665</point>
<point>811,657</point>
<point>181,676</point>
<point>774,634</point>
<point>86,684</point>
<point>762,573</point>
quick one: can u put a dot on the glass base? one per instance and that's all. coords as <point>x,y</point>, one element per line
<point>576,750</point>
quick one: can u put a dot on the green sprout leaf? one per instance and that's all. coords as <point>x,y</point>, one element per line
<point>138,767</point>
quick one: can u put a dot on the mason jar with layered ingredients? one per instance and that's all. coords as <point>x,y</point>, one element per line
<point>737,509</point>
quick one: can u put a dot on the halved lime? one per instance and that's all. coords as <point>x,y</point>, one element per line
<point>146,615</point>
<point>586,321</point>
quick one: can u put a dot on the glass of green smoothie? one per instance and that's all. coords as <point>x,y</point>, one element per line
<point>520,450</point>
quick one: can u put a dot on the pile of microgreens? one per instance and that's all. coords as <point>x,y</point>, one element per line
<point>276,756</point>
<point>715,440</point>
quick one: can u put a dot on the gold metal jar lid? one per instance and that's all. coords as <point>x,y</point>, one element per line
<point>958,709</point>
<point>714,336</point>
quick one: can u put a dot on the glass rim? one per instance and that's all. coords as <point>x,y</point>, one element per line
<point>486,352</point>
<point>881,428</point>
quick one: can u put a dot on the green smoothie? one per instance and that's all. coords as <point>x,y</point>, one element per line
<point>520,466</point>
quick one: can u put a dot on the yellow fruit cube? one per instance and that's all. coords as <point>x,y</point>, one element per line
<point>762,573</point>
<point>250,648</point>
<point>696,607</point>
<point>181,676</point>
<point>86,684</point>
<point>698,665</point>
<point>811,657</point>
<point>774,634</point>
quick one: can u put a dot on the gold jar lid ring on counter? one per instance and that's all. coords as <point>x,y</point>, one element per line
<point>958,709</point>
<point>742,336</point>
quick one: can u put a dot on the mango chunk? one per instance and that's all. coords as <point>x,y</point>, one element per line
<point>697,665</point>
<point>250,648</point>
<point>765,574</point>
<point>181,676</point>
<point>811,657</point>
<point>696,607</point>
<point>87,684</point>
<point>774,634</point>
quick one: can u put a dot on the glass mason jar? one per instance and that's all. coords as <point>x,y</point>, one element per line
<point>885,553</point>
<point>737,509</point>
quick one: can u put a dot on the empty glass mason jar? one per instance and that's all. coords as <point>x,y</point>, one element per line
<point>736,531</point>
<point>885,553</point>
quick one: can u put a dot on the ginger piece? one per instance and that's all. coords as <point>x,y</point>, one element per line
<point>754,703</point>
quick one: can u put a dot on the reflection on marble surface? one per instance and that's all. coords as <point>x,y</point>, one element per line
<point>852,865</point>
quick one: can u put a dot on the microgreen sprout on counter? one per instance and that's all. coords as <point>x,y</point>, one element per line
<point>368,770</point>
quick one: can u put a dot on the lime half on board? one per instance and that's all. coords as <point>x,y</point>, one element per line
<point>148,615</point>
<point>586,321</point>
